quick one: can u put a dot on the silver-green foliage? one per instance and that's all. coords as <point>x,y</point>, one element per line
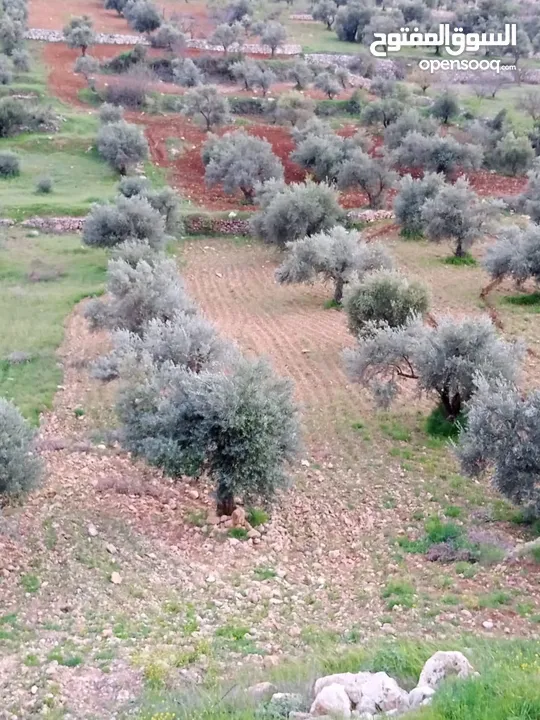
<point>434,153</point>
<point>338,256</point>
<point>207,104</point>
<point>457,214</point>
<point>128,218</point>
<point>443,360</point>
<point>186,73</point>
<point>20,467</point>
<point>240,426</point>
<point>138,293</point>
<point>503,437</point>
<point>239,161</point>
<point>186,340</point>
<point>530,199</point>
<point>79,33</point>
<point>409,121</point>
<point>294,211</point>
<point>512,155</point>
<point>372,175</point>
<point>515,254</point>
<point>109,113</point>
<point>410,200</point>
<point>122,145</point>
<point>384,297</point>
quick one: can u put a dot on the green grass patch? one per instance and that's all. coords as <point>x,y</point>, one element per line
<point>438,425</point>
<point>256,517</point>
<point>32,313</point>
<point>239,533</point>
<point>398,593</point>
<point>530,300</point>
<point>466,259</point>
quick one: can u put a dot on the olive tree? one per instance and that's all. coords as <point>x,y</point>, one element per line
<point>436,154</point>
<point>20,467</point>
<point>530,198</point>
<point>445,107</point>
<point>502,438</point>
<point>300,73</point>
<point>328,83</point>
<point>170,37</point>
<point>274,35</point>
<point>458,215</point>
<point>186,73</point>
<point>187,340</point>
<point>410,199</point>
<point>444,361</point>
<point>294,108</point>
<point>138,292</point>
<point>79,33</point>
<point>87,66</point>
<point>386,297</point>
<point>11,34</point>
<point>337,255</point>
<point>384,112</point>
<point>117,5</point>
<point>263,77</point>
<point>371,175</point>
<point>122,145</point>
<point>325,11</point>
<point>142,15</point>
<point>240,427</point>
<point>290,212</point>
<point>226,35</point>
<point>512,155</point>
<point>239,161</point>
<point>409,121</point>
<point>322,155</point>
<point>109,113</point>
<point>128,218</point>
<point>515,254</point>
<point>207,104</point>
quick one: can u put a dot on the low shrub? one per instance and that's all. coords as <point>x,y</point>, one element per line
<point>44,185</point>
<point>20,469</point>
<point>10,165</point>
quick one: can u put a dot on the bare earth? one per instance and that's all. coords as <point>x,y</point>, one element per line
<point>77,640</point>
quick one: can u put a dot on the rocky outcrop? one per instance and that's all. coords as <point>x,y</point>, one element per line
<point>367,695</point>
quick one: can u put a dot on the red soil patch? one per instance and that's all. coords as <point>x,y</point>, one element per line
<point>54,14</point>
<point>186,170</point>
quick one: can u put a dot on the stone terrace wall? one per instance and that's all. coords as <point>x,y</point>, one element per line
<point>56,36</point>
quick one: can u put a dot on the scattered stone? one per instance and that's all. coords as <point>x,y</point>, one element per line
<point>261,692</point>
<point>487,625</point>
<point>442,665</point>
<point>116,578</point>
<point>332,700</point>
<point>239,518</point>
<point>92,530</point>
<point>110,548</point>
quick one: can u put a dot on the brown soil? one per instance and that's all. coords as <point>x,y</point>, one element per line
<point>54,14</point>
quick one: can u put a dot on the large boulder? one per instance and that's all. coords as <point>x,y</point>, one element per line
<point>381,693</point>
<point>351,683</point>
<point>332,700</point>
<point>443,664</point>
<point>261,692</point>
<point>421,695</point>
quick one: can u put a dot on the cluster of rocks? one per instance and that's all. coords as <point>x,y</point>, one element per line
<point>370,216</point>
<point>202,224</point>
<point>238,520</point>
<point>56,36</point>
<point>363,695</point>
<point>303,17</point>
<point>55,224</point>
